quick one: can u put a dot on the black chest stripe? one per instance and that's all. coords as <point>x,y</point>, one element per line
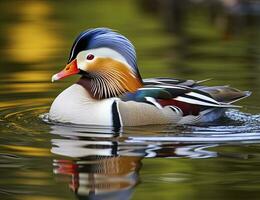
<point>116,115</point>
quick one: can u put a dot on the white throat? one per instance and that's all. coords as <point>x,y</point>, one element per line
<point>75,105</point>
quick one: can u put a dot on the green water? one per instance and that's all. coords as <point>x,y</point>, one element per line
<point>43,161</point>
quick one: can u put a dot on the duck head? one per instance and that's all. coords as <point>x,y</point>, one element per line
<point>106,61</point>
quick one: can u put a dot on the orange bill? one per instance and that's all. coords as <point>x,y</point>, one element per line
<point>69,70</point>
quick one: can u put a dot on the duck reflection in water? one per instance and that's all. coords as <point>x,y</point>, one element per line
<point>98,166</point>
<point>104,165</point>
<point>101,177</point>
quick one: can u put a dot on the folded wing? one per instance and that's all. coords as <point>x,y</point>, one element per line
<point>187,95</point>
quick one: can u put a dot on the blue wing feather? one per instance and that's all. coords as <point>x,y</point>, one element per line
<point>179,90</point>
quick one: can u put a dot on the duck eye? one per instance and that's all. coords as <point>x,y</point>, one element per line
<point>90,57</point>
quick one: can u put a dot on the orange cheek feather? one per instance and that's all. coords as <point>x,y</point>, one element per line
<point>118,70</point>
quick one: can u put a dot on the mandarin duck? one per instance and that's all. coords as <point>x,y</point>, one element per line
<point>111,92</point>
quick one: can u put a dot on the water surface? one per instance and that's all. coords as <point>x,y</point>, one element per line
<point>42,160</point>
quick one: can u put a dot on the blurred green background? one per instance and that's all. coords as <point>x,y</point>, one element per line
<point>218,39</point>
<point>183,39</point>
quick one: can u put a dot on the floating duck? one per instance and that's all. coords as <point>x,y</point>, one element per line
<point>111,92</point>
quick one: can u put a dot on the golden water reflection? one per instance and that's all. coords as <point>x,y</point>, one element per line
<point>27,87</point>
<point>28,151</point>
<point>27,76</point>
<point>32,39</point>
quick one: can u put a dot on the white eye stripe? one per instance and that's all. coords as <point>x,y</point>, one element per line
<point>103,52</point>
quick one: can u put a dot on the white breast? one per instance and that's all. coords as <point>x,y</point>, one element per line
<point>75,105</point>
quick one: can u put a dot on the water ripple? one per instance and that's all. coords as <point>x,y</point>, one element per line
<point>149,141</point>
